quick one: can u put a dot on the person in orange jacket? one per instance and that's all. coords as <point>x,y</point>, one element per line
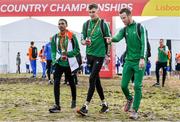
<point>178,64</point>
<point>32,57</point>
<point>43,62</point>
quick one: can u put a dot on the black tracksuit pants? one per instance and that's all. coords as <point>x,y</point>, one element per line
<point>162,65</point>
<point>59,70</point>
<point>95,64</point>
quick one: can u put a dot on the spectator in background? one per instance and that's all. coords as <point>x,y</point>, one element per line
<point>178,64</point>
<point>84,65</point>
<point>43,62</point>
<point>32,57</point>
<point>162,62</point>
<point>47,53</point>
<point>27,63</point>
<point>18,62</point>
<point>117,64</point>
<point>148,66</point>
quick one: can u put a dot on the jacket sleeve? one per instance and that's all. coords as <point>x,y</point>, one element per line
<point>107,30</point>
<point>84,33</point>
<point>53,50</point>
<point>143,42</point>
<point>76,49</point>
<point>30,53</point>
<point>118,36</point>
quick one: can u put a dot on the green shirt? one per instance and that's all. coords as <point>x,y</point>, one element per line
<point>162,57</point>
<point>136,47</point>
<point>97,47</point>
<point>70,54</point>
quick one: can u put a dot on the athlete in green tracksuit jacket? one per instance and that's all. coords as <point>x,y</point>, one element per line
<point>162,62</point>
<point>95,52</point>
<point>134,61</point>
<point>60,52</point>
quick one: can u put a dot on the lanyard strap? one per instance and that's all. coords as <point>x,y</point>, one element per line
<point>61,41</point>
<point>94,27</point>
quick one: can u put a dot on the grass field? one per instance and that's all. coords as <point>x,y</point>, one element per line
<point>24,99</point>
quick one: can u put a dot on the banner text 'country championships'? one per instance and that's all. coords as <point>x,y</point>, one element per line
<point>16,8</point>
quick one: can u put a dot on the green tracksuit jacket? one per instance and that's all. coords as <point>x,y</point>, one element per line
<point>97,47</point>
<point>136,48</point>
<point>72,53</point>
<point>162,57</point>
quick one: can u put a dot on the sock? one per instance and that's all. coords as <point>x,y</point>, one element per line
<point>86,104</point>
<point>104,102</point>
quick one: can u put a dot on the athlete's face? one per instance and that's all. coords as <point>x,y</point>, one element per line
<point>161,43</point>
<point>125,18</point>
<point>62,25</point>
<point>93,13</point>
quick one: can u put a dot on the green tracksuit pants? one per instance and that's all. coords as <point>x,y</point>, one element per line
<point>129,69</point>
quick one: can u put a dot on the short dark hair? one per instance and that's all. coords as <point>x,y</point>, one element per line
<point>64,21</point>
<point>32,42</point>
<point>92,5</point>
<point>126,10</point>
<point>161,40</point>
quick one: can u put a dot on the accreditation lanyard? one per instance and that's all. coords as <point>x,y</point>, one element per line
<point>62,42</point>
<point>94,28</point>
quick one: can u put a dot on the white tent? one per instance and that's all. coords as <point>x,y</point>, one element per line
<point>15,37</point>
<point>163,27</point>
<point>167,28</point>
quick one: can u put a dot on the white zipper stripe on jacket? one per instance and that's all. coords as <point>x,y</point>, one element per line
<point>145,41</point>
<point>58,54</point>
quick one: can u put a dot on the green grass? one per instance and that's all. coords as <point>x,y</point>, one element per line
<point>22,99</point>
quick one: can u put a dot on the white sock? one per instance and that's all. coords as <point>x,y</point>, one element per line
<point>104,102</point>
<point>86,104</point>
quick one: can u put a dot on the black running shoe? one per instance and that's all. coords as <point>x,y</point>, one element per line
<point>83,111</point>
<point>33,76</point>
<point>55,109</point>
<point>73,104</point>
<point>156,84</point>
<point>104,108</point>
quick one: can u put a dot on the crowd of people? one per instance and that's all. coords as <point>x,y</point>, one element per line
<point>62,55</point>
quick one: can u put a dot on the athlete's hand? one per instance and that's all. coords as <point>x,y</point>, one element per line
<point>83,42</point>
<point>88,41</point>
<point>141,63</point>
<point>108,39</point>
<point>64,53</point>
